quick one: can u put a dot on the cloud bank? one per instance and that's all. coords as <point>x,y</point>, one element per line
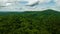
<point>21,5</point>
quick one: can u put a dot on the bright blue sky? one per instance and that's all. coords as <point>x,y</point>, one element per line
<point>21,5</point>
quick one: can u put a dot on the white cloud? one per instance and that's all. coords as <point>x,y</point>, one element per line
<point>3,0</point>
<point>57,2</point>
<point>31,1</point>
<point>14,5</point>
<point>44,1</point>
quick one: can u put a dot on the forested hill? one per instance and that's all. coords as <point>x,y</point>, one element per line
<point>49,11</point>
<point>30,22</point>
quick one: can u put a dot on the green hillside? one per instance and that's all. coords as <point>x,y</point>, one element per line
<point>30,22</point>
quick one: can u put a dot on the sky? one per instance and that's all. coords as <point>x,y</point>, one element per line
<point>29,5</point>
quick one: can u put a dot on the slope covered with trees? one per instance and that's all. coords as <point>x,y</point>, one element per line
<point>45,22</point>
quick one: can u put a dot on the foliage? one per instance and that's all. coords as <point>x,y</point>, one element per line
<point>45,22</point>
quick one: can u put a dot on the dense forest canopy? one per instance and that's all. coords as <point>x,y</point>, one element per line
<point>44,22</point>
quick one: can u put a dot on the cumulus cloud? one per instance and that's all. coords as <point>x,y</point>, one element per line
<point>20,5</point>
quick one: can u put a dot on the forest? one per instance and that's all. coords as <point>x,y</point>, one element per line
<point>30,22</point>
